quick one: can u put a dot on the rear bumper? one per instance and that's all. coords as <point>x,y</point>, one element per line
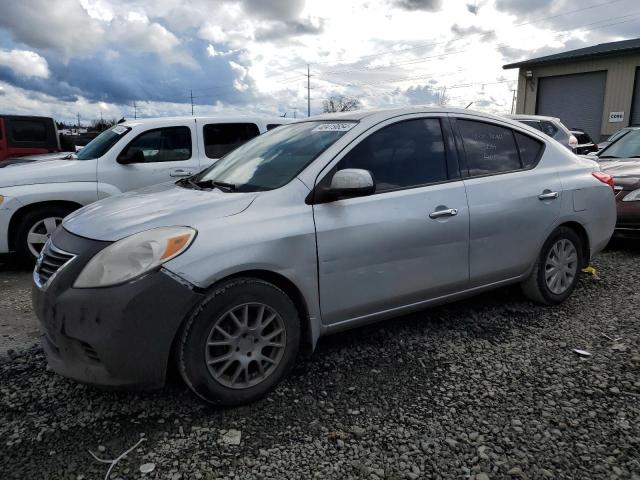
<point>118,336</point>
<point>628,217</point>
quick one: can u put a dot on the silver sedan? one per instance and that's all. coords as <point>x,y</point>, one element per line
<point>314,227</point>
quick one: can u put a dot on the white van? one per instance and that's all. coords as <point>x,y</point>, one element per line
<point>37,192</point>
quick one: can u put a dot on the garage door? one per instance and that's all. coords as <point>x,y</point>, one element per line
<point>635,108</point>
<point>576,100</point>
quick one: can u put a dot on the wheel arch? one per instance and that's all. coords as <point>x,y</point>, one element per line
<point>307,340</point>
<point>31,207</point>
<point>579,230</point>
<point>308,335</point>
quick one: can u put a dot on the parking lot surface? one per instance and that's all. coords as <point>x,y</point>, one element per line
<point>486,388</point>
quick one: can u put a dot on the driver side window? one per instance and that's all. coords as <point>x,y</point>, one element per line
<point>162,145</point>
<point>402,155</point>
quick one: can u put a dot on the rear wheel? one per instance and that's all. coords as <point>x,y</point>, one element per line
<point>556,271</point>
<point>240,342</point>
<point>35,228</point>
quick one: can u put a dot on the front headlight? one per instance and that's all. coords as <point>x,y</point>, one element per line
<point>632,197</point>
<point>134,255</point>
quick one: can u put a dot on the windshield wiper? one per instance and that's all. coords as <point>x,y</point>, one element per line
<point>225,187</point>
<point>607,156</point>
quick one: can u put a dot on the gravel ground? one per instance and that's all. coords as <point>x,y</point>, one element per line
<point>18,325</point>
<point>485,388</point>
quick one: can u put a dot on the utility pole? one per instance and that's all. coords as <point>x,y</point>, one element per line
<point>135,110</point>
<point>513,102</point>
<point>308,90</point>
<point>191,94</point>
<point>78,122</point>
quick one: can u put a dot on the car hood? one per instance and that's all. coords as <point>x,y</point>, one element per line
<point>159,206</point>
<point>50,169</point>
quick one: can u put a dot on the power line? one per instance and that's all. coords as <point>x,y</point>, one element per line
<point>488,32</point>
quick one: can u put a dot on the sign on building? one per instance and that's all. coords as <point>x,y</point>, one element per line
<point>616,117</point>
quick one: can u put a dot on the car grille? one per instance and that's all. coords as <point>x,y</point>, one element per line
<point>50,262</point>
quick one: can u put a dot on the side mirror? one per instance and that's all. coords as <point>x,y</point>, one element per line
<point>351,182</point>
<point>131,156</point>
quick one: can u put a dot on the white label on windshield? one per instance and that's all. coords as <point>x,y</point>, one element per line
<point>118,129</point>
<point>334,127</point>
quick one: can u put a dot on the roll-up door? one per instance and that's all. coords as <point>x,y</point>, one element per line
<point>577,100</point>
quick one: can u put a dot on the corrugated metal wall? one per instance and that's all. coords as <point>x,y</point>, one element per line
<point>621,73</point>
<point>635,107</point>
<point>576,99</point>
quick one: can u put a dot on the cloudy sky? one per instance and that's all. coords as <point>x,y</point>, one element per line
<point>65,57</point>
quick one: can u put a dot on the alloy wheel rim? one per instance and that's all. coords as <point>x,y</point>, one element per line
<point>245,345</point>
<point>40,232</point>
<point>561,266</point>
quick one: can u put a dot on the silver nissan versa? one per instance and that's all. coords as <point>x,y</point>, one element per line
<point>311,228</point>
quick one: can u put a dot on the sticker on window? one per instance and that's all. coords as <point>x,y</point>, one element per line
<point>118,129</point>
<point>334,127</point>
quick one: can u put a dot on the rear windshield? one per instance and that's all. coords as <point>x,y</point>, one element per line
<point>102,143</point>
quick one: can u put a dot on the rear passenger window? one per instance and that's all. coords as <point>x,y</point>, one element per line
<point>529,148</point>
<point>404,154</point>
<point>221,138</point>
<point>33,131</point>
<point>549,128</point>
<point>271,126</point>
<point>489,148</point>
<point>533,123</point>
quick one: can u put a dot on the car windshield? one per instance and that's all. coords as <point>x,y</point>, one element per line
<point>617,135</point>
<point>102,143</point>
<point>627,146</point>
<point>273,159</point>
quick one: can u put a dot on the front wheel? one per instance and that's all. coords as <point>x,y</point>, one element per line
<point>556,271</point>
<point>240,343</point>
<point>35,228</point>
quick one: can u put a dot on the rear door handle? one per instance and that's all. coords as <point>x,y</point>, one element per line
<point>548,195</point>
<point>449,212</point>
<point>180,173</point>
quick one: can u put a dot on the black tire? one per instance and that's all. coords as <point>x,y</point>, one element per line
<point>25,224</point>
<point>535,286</point>
<point>192,346</point>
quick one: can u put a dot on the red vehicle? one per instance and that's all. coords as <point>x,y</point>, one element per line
<point>26,135</point>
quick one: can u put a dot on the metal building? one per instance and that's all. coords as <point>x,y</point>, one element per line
<point>594,88</point>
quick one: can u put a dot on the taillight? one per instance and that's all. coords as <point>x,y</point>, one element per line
<point>605,178</point>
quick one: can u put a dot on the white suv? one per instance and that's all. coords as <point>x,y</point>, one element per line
<point>37,192</point>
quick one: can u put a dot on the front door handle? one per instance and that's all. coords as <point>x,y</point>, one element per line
<point>180,173</point>
<point>548,195</point>
<point>448,212</point>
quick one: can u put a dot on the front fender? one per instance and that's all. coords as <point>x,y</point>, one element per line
<point>18,197</point>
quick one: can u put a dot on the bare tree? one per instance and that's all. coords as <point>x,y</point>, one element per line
<point>340,103</point>
<point>102,124</point>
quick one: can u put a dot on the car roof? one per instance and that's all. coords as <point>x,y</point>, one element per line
<point>202,119</point>
<point>532,117</point>
<point>383,113</point>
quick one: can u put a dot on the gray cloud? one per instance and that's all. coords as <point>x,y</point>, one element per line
<point>487,35</point>
<point>427,5</point>
<point>281,30</point>
<point>473,8</point>
<point>282,10</point>
<point>526,7</point>
<point>65,27</point>
<point>422,95</point>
